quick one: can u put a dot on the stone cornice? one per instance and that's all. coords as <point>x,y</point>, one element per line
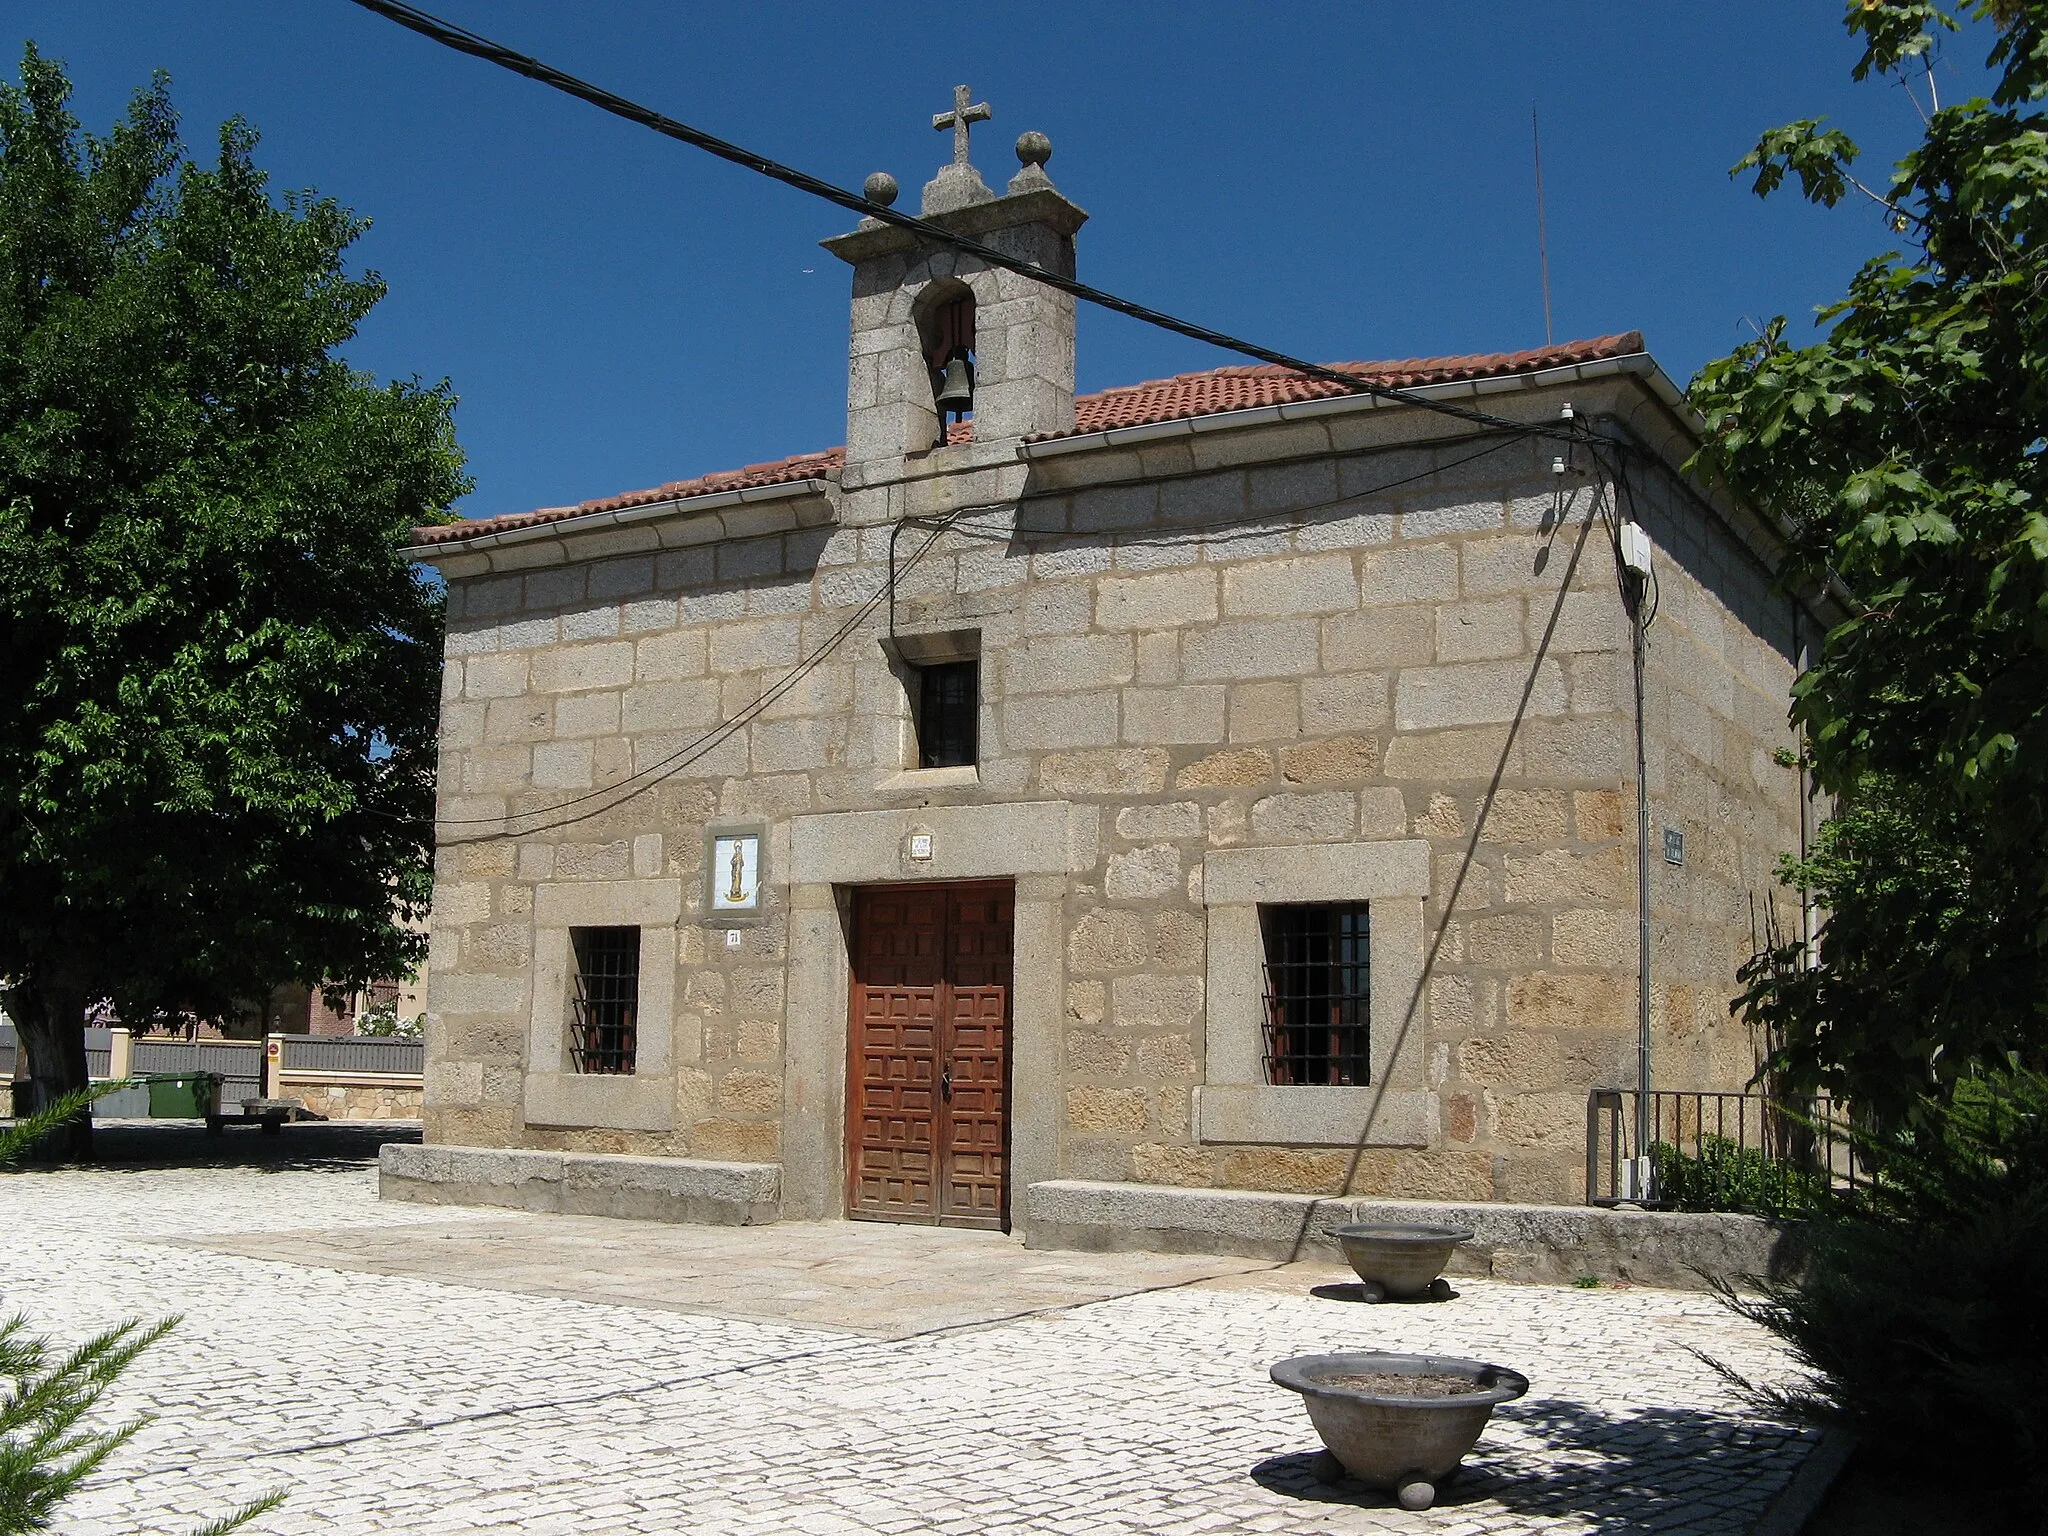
<point>1040,206</point>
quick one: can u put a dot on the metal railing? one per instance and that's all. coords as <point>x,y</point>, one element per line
<point>1804,1136</point>
<point>379,1054</point>
<point>239,1063</point>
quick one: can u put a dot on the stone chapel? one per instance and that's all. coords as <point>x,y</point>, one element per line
<point>1046,808</point>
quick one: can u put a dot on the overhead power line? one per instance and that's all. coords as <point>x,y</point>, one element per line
<point>638,783</point>
<point>578,809</point>
<point>463,40</point>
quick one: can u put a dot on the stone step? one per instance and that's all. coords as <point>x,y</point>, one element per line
<point>583,1183</point>
<point>1555,1244</point>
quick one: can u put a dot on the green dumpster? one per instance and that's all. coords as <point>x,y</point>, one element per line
<point>183,1095</point>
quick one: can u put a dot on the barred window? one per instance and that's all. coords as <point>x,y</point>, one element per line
<point>1318,993</point>
<point>948,714</point>
<point>606,1009</point>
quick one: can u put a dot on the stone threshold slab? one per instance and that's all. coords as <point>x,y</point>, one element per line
<point>869,1279</point>
<point>1550,1244</point>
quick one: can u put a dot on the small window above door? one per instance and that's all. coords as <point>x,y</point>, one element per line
<point>948,715</point>
<point>941,677</point>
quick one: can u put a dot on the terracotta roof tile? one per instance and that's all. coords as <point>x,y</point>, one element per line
<point>804,466</point>
<point>1238,389</point>
<point>1175,399</point>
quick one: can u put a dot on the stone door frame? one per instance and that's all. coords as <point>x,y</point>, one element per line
<point>1038,844</point>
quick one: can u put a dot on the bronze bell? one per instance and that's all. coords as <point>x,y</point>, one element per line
<point>956,391</point>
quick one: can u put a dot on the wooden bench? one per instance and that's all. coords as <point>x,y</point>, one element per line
<point>272,1115</point>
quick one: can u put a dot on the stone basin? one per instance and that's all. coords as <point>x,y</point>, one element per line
<point>1400,1263</point>
<point>1408,1446</point>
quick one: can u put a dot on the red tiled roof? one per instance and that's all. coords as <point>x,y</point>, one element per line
<point>804,466</point>
<point>1135,405</point>
<point>1240,389</point>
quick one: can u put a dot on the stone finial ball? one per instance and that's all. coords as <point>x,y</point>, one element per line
<point>880,188</point>
<point>1033,148</point>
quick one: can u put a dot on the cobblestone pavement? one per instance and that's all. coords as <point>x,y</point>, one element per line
<point>386,1402</point>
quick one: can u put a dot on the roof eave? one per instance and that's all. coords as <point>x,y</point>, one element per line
<point>1641,364</point>
<point>590,522</point>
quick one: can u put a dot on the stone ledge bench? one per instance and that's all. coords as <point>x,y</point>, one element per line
<point>583,1183</point>
<point>1556,1244</point>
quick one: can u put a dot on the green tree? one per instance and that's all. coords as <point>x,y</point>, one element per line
<point>218,706</point>
<point>1924,964</point>
<point>1916,1311</point>
<point>1908,449</point>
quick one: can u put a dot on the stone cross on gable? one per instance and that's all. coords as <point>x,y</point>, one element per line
<point>958,120</point>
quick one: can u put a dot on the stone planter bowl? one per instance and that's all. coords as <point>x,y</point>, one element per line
<point>1400,1262</point>
<point>1408,1446</point>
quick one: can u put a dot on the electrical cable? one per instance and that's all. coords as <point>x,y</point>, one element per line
<point>690,752</point>
<point>475,45</point>
<point>683,756</point>
<point>462,40</point>
<point>1639,600</point>
<point>1204,532</point>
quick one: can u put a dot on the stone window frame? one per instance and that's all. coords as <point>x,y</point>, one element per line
<point>558,1096</point>
<point>1234,1104</point>
<point>896,743</point>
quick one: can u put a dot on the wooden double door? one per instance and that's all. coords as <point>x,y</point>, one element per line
<point>928,1071</point>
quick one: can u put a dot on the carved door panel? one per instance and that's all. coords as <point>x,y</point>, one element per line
<point>929,1055</point>
<point>976,1102</point>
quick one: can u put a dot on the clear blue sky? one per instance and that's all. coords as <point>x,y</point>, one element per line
<point>1340,181</point>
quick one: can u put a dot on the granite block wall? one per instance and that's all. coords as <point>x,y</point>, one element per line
<point>1346,631</point>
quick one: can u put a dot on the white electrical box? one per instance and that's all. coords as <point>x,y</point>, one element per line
<point>1635,549</point>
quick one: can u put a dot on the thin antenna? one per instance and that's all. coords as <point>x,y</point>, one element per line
<point>1542,237</point>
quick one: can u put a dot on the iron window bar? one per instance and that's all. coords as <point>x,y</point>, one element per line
<point>605,1014</point>
<point>1318,998</point>
<point>948,714</point>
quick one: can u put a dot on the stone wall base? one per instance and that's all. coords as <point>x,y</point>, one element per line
<point>1554,1244</point>
<point>353,1101</point>
<point>583,1183</point>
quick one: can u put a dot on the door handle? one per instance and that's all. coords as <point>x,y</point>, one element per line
<point>946,1085</point>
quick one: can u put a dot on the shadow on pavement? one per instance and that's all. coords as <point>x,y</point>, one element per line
<point>309,1147</point>
<point>1638,1471</point>
<point>1353,1291</point>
